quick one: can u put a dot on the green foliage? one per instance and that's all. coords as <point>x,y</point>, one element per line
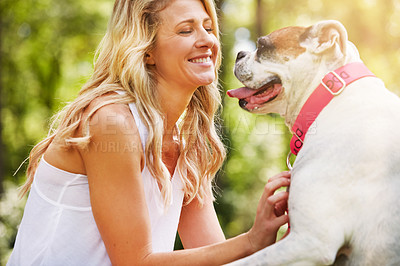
<point>47,47</point>
<point>46,54</point>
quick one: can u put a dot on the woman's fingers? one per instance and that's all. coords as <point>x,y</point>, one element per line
<point>281,220</point>
<point>273,185</point>
<point>269,199</point>
<point>270,213</point>
<point>285,174</point>
<point>281,207</point>
<point>278,198</point>
<point>278,202</point>
<point>271,203</point>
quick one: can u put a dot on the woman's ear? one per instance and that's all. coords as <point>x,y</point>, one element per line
<point>150,59</point>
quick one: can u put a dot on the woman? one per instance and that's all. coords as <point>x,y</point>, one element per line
<point>119,175</point>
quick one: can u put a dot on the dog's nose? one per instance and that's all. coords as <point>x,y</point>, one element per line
<point>240,55</point>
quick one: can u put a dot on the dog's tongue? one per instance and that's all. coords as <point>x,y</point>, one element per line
<point>241,93</point>
<point>252,96</point>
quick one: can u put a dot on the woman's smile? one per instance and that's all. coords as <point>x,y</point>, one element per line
<point>206,60</point>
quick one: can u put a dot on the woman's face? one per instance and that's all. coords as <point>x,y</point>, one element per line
<point>186,47</point>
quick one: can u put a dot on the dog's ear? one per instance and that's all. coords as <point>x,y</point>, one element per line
<point>327,35</point>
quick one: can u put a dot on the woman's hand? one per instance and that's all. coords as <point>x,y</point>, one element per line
<point>270,212</point>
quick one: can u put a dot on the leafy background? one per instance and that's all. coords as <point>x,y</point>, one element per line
<point>46,54</point>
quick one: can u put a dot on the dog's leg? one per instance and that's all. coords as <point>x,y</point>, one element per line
<point>295,249</point>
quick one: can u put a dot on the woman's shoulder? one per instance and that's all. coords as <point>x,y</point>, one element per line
<point>111,121</point>
<point>111,126</point>
<point>109,114</point>
<point>112,130</point>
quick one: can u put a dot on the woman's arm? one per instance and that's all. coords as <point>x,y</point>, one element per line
<point>113,165</point>
<point>199,226</point>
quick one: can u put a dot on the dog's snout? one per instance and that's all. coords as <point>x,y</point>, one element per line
<point>240,55</point>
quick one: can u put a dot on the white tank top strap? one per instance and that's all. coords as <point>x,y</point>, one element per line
<point>139,123</point>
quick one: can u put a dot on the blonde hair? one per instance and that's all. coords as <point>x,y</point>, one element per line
<point>121,65</point>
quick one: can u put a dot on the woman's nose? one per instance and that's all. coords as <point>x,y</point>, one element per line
<point>205,39</point>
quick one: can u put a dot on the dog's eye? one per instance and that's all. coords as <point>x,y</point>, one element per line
<point>260,42</point>
<point>265,43</point>
<point>265,47</point>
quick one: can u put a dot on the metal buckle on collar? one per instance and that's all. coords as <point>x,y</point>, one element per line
<point>341,81</point>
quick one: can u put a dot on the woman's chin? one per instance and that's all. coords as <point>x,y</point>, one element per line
<point>205,80</point>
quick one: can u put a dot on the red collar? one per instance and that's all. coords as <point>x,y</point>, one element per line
<point>331,85</point>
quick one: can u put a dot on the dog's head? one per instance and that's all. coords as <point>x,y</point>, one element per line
<point>288,64</point>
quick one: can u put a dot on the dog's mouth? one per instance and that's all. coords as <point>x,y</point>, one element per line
<point>252,99</point>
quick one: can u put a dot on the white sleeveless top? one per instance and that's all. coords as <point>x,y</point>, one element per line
<point>58,227</point>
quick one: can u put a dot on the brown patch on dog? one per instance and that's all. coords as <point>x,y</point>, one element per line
<point>287,41</point>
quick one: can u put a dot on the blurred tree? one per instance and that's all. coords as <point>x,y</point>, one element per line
<point>45,54</point>
<point>42,42</point>
<point>1,107</point>
<point>260,15</point>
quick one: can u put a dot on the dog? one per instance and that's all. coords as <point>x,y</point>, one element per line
<point>344,201</point>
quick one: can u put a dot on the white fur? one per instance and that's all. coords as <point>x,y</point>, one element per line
<point>345,188</point>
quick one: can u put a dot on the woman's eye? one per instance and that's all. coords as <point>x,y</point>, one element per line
<point>189,31</point>
<point>185,31</point>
